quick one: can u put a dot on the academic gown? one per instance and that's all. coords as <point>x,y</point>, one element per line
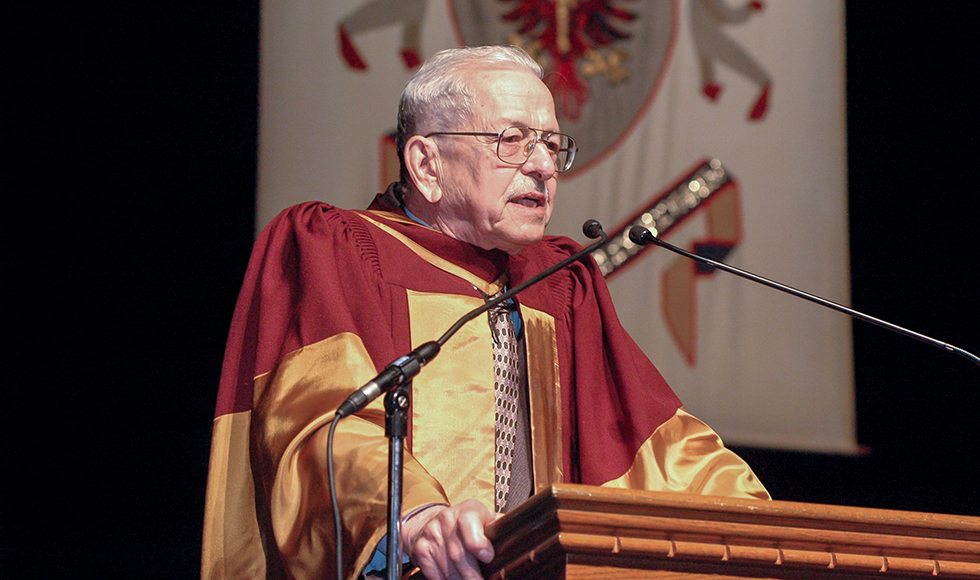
<point>331,297</point>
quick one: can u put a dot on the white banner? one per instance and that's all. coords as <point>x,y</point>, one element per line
<point>651,89</point>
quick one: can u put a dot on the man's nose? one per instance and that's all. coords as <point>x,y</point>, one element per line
<point>540,164</point>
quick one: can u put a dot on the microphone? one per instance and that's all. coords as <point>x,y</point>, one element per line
<point>396,373</point>
<point>643,236</point>
<point>404,368</point>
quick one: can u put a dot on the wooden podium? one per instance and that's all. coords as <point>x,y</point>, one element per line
<point>584,532</point>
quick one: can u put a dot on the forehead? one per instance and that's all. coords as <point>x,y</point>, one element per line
<point>510,96</point>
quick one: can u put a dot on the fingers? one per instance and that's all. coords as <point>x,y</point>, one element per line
<point>451,542</point>
<point>473,518</point>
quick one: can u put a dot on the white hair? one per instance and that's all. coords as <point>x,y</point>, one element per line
<point>438,97</point>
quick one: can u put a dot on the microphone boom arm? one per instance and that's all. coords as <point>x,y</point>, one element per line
<point>643,236</point>
<point>406,367</point>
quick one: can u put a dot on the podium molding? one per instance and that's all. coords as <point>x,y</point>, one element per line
<point>572,531</point>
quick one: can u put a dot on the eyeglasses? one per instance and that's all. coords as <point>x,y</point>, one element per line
<point>515,145</point>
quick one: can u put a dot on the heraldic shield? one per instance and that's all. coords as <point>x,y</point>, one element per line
<point>604,60</point>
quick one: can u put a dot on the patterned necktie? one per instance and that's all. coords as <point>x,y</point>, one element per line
<point>507,381</point>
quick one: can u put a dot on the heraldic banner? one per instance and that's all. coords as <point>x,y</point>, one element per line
<point>721,123</point>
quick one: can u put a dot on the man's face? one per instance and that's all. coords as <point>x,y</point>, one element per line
<point>486,202</point>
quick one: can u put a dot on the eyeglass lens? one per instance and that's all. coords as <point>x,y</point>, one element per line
<point>516,143</point>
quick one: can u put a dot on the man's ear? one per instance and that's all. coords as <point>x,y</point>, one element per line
<point>423,164</point>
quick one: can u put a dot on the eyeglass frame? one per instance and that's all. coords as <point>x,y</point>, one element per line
<point>538,134</point>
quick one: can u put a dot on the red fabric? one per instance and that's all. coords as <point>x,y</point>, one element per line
<point>317,271</point>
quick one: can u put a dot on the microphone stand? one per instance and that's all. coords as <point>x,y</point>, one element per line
<point>397,403</point>
<point>643,236</point>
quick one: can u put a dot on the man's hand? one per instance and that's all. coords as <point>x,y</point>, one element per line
<point>448,542</point>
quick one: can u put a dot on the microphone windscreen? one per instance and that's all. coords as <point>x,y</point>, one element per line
<point>592,228</point>
<point>640,235</point>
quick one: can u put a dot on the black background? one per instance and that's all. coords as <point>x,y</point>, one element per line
<point>128,202</point>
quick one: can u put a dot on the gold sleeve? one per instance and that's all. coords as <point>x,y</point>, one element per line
<point>685,455</point>
<point>290,441</point>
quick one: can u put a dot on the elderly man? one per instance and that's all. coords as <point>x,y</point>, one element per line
<point>552,389</point>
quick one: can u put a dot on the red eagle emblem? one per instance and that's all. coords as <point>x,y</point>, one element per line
<point>564,32</point>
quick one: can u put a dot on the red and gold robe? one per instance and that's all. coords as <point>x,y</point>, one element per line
<point>332,296</point>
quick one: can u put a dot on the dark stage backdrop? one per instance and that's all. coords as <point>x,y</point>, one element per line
<point>128,198</point>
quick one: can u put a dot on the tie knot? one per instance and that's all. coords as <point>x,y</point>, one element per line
<point>501,323</point>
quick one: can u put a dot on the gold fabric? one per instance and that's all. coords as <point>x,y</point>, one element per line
<point>230,526</point>
<point>292,440</point>
<point>452,400</point>
<point>685,455</point>
<point>544,395</point>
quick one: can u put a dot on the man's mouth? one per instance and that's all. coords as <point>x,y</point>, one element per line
<point>530,200</point>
